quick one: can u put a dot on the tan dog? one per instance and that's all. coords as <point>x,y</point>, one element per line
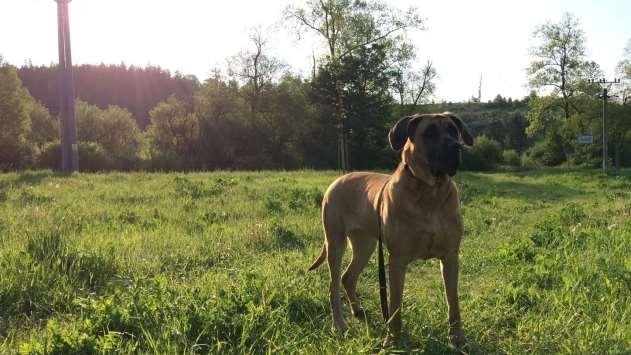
<point>419,210</point>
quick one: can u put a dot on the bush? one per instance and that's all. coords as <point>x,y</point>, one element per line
<point>115,133</point>
<point>485,154</point>
<point>511,158</point>
<point>50,156</point>
<point>92,157</point>
<point>548,152</point>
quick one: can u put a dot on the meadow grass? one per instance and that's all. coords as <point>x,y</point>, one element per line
<point>216,263</point>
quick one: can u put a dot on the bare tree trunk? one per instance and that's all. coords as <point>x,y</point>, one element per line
<point>339,112</point>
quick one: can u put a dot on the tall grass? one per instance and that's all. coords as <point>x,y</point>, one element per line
<point>215,262</point>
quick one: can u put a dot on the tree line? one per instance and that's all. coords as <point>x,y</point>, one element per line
<point>137,89</point>
<point>257,114</point>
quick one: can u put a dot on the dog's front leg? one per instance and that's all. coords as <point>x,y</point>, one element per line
<point>449,268</point>
<point>396,273</point>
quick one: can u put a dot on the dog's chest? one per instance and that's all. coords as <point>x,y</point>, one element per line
<point>424,233</point>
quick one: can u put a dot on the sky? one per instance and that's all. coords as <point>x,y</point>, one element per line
<point>464,39</point>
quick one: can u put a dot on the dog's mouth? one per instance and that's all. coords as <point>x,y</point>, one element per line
<point>448,163</point>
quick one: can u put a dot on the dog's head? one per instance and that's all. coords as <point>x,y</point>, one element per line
<point>433,141</point>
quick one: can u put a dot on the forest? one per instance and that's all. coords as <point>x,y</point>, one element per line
<point>257,114</point>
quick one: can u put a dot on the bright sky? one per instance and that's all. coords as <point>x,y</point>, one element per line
<point>463,39</point>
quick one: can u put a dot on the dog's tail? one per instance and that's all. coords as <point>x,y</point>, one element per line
<point>319,260</point>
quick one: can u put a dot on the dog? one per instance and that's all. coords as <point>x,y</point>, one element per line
<point>417,209</point>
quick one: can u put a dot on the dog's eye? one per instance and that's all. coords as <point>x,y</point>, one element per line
<point>431,131</point>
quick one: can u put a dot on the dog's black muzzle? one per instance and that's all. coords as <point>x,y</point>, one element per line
<point>451,158</point>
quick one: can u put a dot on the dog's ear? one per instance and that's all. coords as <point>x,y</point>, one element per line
<point>467,138</point>
<point>401,131</point>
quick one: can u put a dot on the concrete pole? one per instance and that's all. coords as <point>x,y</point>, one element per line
<point>69,147</point>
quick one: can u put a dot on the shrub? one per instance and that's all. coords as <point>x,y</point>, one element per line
<point>92,157</point>
<point>548,152</point>
<point>485,154</point>
<point>511,158</point>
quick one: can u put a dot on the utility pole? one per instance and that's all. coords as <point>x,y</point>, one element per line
<point>69,148</point>
<point>480,90</point>
<point>604,96</point>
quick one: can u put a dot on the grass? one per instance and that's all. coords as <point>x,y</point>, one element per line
<point>215,262</point>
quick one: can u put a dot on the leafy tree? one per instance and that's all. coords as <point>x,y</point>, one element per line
<point>348,26</point>
<point>44,127</point>
<point>367,102</point>
<point>294,137</point>
<point>173,133</point>
<point>620,112</point>
<point>561,70</point>
<point>114,130</point>
<point>15,124</point>
<point>230,135</point>
<point>137,89</point>
<point>559,60</point>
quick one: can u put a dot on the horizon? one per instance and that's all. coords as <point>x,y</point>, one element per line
<point>192,49</point>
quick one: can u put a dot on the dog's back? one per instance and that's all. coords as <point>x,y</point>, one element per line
<point>349,206</point>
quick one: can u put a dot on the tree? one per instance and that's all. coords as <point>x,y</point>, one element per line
<point>137,89</point>
<point>255,68</point>
<point>412,85</point>
<point>294,135</point>
<point>114,129</point>
<point>173,133</point>
<point>230,134</point>
<point>623,69</point>
<point>15,124</point>
<point>561,70</point>
<point>347,26</point>
<point>367,101</point>
<point>44,127</point>
<point>620,112</point>
<point>559,63</point>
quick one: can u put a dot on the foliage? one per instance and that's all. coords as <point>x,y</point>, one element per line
<point>173,132</point>
<point>511,158</point>
<point>44,127</point>
<point>133,88</point>
<point>15,123</point>
<point>559,61</point>
<point>549,151</point>
<point>114,131</point>
<point>485,154</point>
<point>92,157</point>
<point>366,103</point>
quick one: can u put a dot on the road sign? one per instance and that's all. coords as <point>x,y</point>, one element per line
<point>586,139</point>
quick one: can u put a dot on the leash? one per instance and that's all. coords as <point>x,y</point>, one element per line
<point>383,283</point>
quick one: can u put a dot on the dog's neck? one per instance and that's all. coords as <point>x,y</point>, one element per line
<point>421,177</point>
<point>419,171</point>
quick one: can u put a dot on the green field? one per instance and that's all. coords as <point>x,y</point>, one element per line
<point>215,262</point>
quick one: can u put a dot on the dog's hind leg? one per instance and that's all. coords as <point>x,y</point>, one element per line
<point>335,247</point>
<point>363,247</point>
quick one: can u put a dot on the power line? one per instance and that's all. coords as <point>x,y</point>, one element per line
<point>604,96</point>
